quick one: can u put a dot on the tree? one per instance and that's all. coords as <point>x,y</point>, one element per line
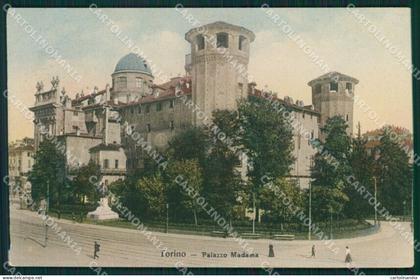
<point>331,163</point>
<point>185,185</point>
<point>267,140</point>
<point>331,168</point>
<point>83,185</point>
<point>192,143</point>
<point>276,198</point>
<point>222,180</point>
<point>48,174</point>
<point>153,190</point>
<point>362,166</point>
<point>395,175</point>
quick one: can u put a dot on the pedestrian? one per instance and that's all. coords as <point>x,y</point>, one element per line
<point>270,251</point>
<point>348,255</point>
<point>96,249</point>
<point>313,251</point>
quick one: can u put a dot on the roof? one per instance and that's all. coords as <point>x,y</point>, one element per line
<point>105,147</point>
<point>308,108</point>
<point>334,75</point>
<point>167,91</point>
<point>219,25</point>
<point>133,63</point>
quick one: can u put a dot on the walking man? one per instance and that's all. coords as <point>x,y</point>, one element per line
<point>313,251</point>
<point>270,251</point>
<point>96,250</point>
<point>348,255</point>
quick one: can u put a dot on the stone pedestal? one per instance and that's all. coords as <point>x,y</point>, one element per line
<point>103,212</point>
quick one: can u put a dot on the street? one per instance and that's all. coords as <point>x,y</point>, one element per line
<point>130,248</point>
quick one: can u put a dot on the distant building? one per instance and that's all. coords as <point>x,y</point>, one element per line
<point>21,153</point>
<point>107,125</point>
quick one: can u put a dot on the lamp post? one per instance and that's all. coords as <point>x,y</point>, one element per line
<point>376,208</point>
<point>255,214</point>
<point>404,210</point>
<point>167,217</point>
<point>310,211</point>
<point>46,213</point>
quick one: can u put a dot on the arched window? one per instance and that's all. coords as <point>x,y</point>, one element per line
<point>200,42</point>
<point>242,43</point>
<point>222,40</point>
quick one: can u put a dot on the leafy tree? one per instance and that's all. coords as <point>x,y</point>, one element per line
<point>153,190</point>
<point>48,174</point>
<point>395,175</point>
<point>267,140</point>
<point>185,185</point>
<point>331,168</point>
<point>83,185</point>
<point>331,163</point>
<point>276,198</point>
<point>222,177</point>
<point>192,143</point>
<point>362,166</point>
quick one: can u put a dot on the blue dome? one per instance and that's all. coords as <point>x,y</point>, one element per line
<point>133,63</point>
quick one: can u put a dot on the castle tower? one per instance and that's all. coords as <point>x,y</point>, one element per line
<point>332,95</point>
<point>218,67</point>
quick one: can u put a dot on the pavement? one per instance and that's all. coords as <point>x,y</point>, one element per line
<point>71,244</point>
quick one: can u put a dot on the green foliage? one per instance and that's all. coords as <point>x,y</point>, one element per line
<point>85,183</point>
<point>48,172</point>
<point>332,160</point>
<point>185,185</point>
<point>192,143</point>
<point>394,176</point>
<point>153,190</point>
<point>362,166</point>
<point>222,179</point>
<point>267,139</point>
<point>332,166</point>
<point>276,198</point>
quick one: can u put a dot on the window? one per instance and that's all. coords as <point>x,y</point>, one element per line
<point>147,108</point>
<point>242,42</point>
<point>29,164</point>
<point>222,40</point>
<point>75,128</point>
<point>158,107</point>
<point>349,86</point>
<point>240,88</point>
<point>303,115</point>
<point>106,163</point>
<point>200,42</point>
<point>171,125</point>
<point>29,154</point>
<point>116,164</point>
<point>139,109</point>
<point>122,82</point>
<point>148,127</point>
<point>75,113</point>
<point>312,134</point>
<point>318,88</point>
<point>139,82</point>
<point>333,86</point>
<point>347,117</point>
<point>132,110</point>
<point>171,103</point>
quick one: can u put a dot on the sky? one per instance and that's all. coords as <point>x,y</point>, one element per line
<point>276,62</point>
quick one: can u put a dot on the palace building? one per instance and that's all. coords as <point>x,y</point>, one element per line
<point>100,125</point>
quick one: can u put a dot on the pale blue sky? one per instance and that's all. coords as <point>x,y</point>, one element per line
<point>276,61</point>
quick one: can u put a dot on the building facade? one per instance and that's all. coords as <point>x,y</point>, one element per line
<point>106,126</point>
<point>21,159</point>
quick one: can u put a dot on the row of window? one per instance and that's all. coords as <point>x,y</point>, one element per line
<point>149,126</point>
<point>222,41</point>
<point>333,87</point>
<point>147,107</point>
<point>121,82</point>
